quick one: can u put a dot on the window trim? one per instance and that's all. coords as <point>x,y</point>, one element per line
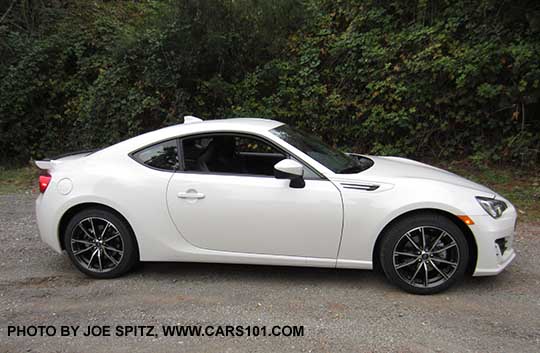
<point>261,138</point>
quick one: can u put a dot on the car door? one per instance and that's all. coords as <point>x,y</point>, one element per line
<point>236,205</point>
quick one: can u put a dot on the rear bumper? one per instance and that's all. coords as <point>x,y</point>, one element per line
<point>494,239</point>
<point>47,222</point>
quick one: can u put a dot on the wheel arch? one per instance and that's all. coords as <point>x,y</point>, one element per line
<point>73,210</point>
<point>471,241</point>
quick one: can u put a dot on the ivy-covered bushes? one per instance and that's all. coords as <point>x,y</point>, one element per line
<point>428,78</point>
<point>84,74</point>
<point>442,79</point>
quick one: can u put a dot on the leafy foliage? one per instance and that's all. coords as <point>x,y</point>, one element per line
<point>428,78</point>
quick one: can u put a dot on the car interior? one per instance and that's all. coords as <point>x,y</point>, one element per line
<point>230,154</point>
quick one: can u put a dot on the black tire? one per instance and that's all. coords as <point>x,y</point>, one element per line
<point>114,255</point>
<point>402,261</point>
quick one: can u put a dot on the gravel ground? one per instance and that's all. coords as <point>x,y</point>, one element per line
<point>342,310</point>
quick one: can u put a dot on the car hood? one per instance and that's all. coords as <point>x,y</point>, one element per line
<point>397,167</point>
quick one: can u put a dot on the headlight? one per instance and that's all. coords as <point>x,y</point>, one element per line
<point>494,208</point>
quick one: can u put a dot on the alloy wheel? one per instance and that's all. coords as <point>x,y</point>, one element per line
<point>97,244</point>
<point>426,256</point>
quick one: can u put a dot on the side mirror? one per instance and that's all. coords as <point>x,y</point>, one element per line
<point>290,169</point>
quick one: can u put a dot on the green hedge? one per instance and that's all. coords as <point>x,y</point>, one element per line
<point>426,79</point>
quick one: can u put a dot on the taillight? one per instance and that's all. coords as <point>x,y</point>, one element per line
<point>44,180</point>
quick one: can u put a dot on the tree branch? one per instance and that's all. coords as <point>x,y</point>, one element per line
<point>8,10</point>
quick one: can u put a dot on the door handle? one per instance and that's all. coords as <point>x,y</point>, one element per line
<point>190,195</point>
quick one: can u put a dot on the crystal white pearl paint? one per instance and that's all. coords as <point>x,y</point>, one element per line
<point>64,186</point>
<point>201,217</point>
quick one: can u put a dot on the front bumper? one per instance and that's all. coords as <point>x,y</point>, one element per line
<point>494,239</point>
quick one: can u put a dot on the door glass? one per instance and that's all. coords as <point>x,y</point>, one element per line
<point>230,154</point>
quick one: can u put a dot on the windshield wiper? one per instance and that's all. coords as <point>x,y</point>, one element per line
<point>352,169</point>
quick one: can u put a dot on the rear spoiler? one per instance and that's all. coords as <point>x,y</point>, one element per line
<point>50,163</point>
<point>45,164</point>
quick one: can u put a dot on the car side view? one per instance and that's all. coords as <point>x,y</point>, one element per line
<point>255,191</point>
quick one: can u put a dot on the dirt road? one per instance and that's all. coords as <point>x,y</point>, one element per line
<point>341,310</point>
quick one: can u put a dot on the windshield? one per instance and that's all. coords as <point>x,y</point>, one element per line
<point>331,158</point>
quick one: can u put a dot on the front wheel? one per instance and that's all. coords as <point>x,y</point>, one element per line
<point>100,243</point>
<point>424,253</point>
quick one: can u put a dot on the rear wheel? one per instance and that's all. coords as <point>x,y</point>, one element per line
<point>424,253</point>
<point>100,243</point>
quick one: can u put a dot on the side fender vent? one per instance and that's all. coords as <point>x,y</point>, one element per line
<point>365,187</point>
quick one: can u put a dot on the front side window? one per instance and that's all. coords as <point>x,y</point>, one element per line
<point>163,155</point>
<point>331,158</point>
<point>233,154</point>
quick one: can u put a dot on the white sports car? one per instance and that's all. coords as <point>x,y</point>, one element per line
<point>256,191</point>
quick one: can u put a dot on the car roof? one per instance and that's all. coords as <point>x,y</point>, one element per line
<point>248,125</point>
<point>234,124</point>
<point>265,124</point>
